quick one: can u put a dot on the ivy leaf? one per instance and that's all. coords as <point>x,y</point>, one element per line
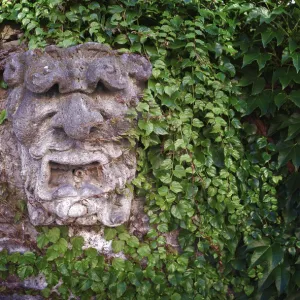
<point>68,42</point>
<point>285,77</point>
<point>282,278</point>
<point>121,39</point>
<point>248,58</point>
<point>124,236</point>
<point>77,242</point>
<point>179,144</point>
<point>94,275</point>
<point>109,233</point>
<point>197,123</point>
<point>167,164</point>
<point>177,44</point>
<point>118,264</point>
<point>218,49</point>
<point>27,258</point>
<point>293,124</point>
<point>262,59</point>
<point>144,251</point>
<point>91,252</point>
<point>176,187</point>
<point>267,36</point>
<point>263,242</point>
<point>176,296</point>
<point>117,246</point>
<point>72,16</point>
<point>182,209</point>
<point>249,290</point>
<point>279,34</point>
<point>24,271</point>
<point>163,227</point>
<point>229,67</point>
<point>212,29</point>
<point>259,255</point>
<point>146,125</point>
<point>3,268</point>
<point>121,288</point>
<point>258,85</point>
<point>133,241</point>
<point>176,212</point>
<point>273,258</point>
<point>3,85</point>
<point>296,61</point>
<point>52,254</point>
<point>179,171</point>
<point>42,241</point>
<point>249,77</point>
<point>280,99</point>
<point>169,90</point>
<point>61,246</point>
<point>53,235</point>
<point>288,151</point>
<point>113,9</point>
<point>85,284</point>
<point>292,45</point>
<point>262,101</point>
<point>295,97</point>
<point>159,130</point>
<point>3,116</point>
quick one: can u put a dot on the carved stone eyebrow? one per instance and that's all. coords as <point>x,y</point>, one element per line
<point>43,75</point>
<point>107,70</point>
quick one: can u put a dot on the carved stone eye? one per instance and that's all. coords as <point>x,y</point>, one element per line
<point>108,68</point>
<point>13,73</point>
<point>37,78</point>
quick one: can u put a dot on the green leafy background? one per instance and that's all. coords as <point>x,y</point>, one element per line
<point>218,150</point>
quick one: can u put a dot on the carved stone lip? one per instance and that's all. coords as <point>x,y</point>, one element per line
<point>75,158</point>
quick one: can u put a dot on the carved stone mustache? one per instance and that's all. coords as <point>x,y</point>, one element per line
<point>54,141</point>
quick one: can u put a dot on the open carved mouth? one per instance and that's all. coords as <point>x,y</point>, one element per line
<point>67,180</point>
<point>87,185</point>
<point>75,175</point>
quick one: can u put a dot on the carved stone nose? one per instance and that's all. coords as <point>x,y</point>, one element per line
<point>76,116</point>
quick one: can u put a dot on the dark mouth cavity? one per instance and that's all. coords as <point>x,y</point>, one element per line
<point>75,175</point>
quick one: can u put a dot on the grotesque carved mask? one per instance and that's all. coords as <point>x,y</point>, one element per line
<point>68,109</point>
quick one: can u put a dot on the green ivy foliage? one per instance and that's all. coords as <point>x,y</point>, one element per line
<point>221,70</point>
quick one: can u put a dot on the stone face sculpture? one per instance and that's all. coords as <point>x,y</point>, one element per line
<point>68,110</point>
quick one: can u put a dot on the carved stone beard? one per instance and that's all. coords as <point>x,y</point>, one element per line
<point>89,191</point>
<point>68,109</point>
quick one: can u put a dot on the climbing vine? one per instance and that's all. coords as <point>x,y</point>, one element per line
<point>218,149</point>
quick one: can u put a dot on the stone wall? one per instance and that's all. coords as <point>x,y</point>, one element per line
<point>12,228</point>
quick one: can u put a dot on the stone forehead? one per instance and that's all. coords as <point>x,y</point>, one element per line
<point>87,51</point>
<point>78,67</point>
<point>79,56</point>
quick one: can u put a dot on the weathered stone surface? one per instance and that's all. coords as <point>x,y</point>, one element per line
<point>9,32</point>
<point>68,111</point>
<point>9,42</point>
<point>21,297</point>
